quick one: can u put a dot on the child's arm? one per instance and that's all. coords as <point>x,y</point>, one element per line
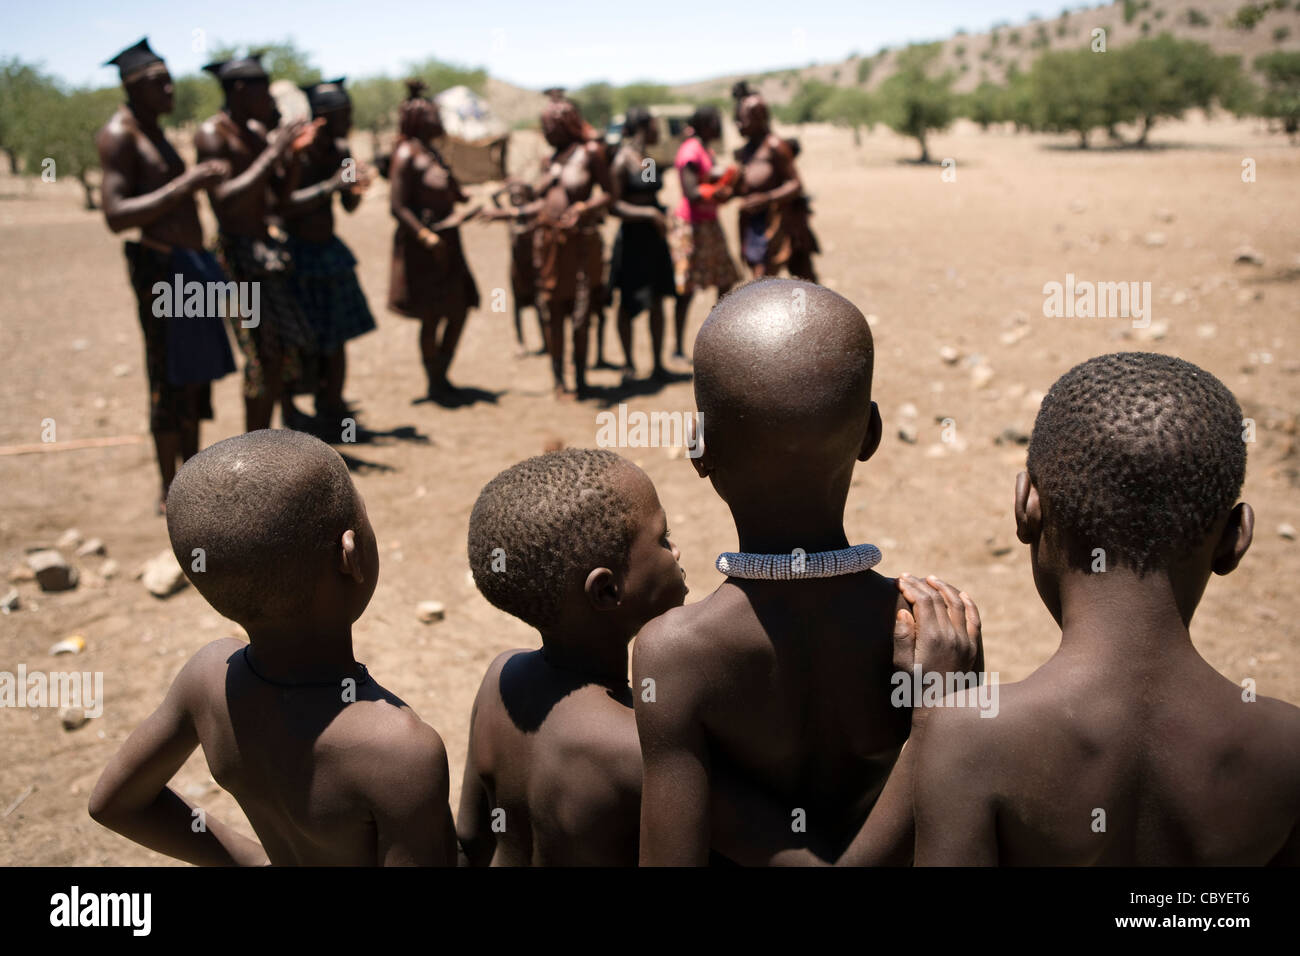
<point>956,822</point>
<point>675,794</point>
<point>132,796</point>
<point>473,823</point>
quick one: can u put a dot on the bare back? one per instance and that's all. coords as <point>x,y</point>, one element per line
<point>789,685</point>
<point>304,765</point>
<point>554,768</point>
<point>1170,768</point>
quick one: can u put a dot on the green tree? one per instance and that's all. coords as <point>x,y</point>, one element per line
<point>1070,90</point>
<point>23,90</point>
<point>195,98</point>
<point>374,105</point>
<point>596,100</point>
<point>1164,77</point>
<point>915,104</point>
<point>804,105</point>
<point>983,105</point>
<point>441,75</point>
<point>850,107</point>
<point>282,59</point>
<point>69,122</point>
<point>1281,99</point>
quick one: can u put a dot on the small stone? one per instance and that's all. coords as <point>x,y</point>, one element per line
<point>10,602</point>
<point>997,547</point>
<point>1286,531</point>
<point>1153,332</point>
<point>52,572</point>
<point>1078,205</point>
<point>872,320</point>
<point>1154,239</point>
<point>74,644</point>
<point>72,718</point>
<point>161,575</point>
<point>69,539</point>
<point>92,546</point>
<point>1180,297</point>
<point>949,355</point>
<point>907,410</point>
<point>908,433</point>
<point>1245,296</point>
<point>1163,215</point>
<point>1012,336</point>
<point>21,575</point>
<point>552,444</point>
<point>1011,435</point>
<point>108,570</point>
<point>1245,255</point>
<point>430,611</point>
<point>80,345</point>
<point>1207,330</point>
<point>121,370</point>
<point>981,376</point>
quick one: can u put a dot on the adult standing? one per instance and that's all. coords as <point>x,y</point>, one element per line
<point>324,273</point>
<point>147,187</point>
<point>430,279</point>
<point>642,267</point>
<point>774,228</point>
<point>246,134</point>
<point>699,248</point>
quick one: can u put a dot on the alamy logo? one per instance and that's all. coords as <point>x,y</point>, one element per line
<point>649,430</point>
<point>1098,300</point>
<point>75,908</point>
<point>196,300</point>
<point>83,689</point>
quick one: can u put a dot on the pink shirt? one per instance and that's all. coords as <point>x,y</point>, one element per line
<point>694,153</point>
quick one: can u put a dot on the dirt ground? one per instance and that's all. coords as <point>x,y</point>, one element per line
<point>936,263</point>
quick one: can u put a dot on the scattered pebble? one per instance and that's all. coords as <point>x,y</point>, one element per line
<point>1207,330</point>
<point>1245,255</point>
<point>69,539</point>
<point>108,569</point>
<point>161,575</point>
<point>430,611</point>
<point>72,718</point>
<point>1154,239</point>
<point>1163,215</point>
<point>1287,531</point>
<point>1249,295</point>
<point>121,370</point>
<point>52,572</point>
<point>21,575</point>
<point>907,410</point>
<point>949,355</point>
<point>10,602</point>
<point>69,645</point>
<point>1011,435</point>
<point>1012,336</point>
<point>908,433</point>
<point>998,547</point>
<point>981,376</point>
<point>92,546</point>
<point>1153,332</point>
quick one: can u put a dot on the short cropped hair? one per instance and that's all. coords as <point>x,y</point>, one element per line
<point>1138,454</point>
<point>554,518</point>
<point>268,509</point>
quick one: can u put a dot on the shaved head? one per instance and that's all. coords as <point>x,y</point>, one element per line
<point>268,509</point>
<point>783,380</point>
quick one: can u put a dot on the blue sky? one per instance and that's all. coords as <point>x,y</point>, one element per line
<point>527,42</point>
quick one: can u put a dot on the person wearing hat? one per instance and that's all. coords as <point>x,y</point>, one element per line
<point>147,187</point>
<point>246,134</point>
<point>324,269</point>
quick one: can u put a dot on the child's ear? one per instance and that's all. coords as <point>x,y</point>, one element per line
<point>1029,511</point>
<point>1235,540</point>
<point>695,448</point>
<point>871,441</point>
<point>350,558</point>
<point>602,590</point>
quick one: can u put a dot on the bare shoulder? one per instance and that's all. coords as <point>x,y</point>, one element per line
<point>206,670</point>
<point>379,744</point>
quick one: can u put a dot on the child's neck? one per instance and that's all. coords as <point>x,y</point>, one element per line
<point>602,661</point>
<point>1118,619</point>
<point>296,654</point>
<point>813,527</point>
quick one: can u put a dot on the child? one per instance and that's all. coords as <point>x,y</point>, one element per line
<point>523,275</point>
<point>1126,748</point>
<point>329,767</point>
<point>575,544</point>
<point>783,675</point>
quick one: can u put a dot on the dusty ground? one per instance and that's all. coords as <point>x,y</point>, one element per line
<point>939,263</point>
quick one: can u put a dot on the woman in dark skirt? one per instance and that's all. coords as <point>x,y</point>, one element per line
<point>430,278</point>
<point>642,267</point>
